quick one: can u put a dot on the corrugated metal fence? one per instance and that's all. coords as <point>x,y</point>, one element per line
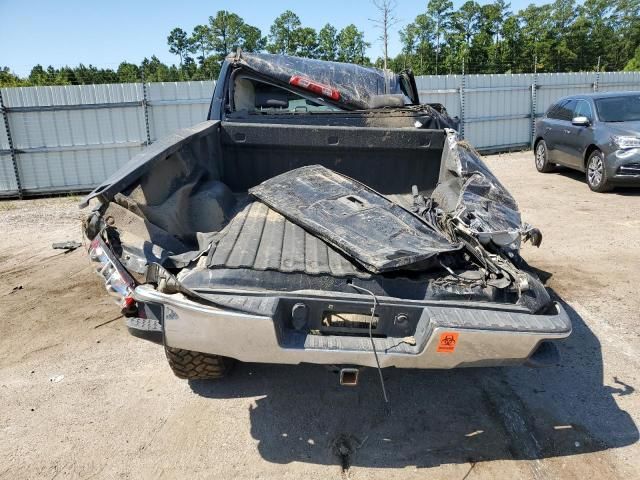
<point>70,138</point>
<point>497,112</point>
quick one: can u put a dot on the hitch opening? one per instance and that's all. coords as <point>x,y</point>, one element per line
<point>349,376</point>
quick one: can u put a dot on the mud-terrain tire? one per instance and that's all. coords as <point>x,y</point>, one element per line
<point>192,365</point>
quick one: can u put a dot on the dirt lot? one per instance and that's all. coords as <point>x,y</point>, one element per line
<point>81,398</point>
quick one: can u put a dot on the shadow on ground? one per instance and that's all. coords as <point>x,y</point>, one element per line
<point>436,417</point>
<point>630,191</point>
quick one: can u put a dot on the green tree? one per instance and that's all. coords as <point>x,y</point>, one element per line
<point>512,45</point>
<point>283,34</point>
<point>154,70</point>
<point>440,11</point>
<point>252,39</point>
<point>352,46</point>
<point>225,33</point>
<point>10,79</point>
<point>211,69</point>
<point>463,28</point>
<point>535,24</point>
<point>179,43</point>
<point>306,40</point>
<point>633,65</point>
<point>417,40</point>
<point>200,42</point>
<point>128,73</point>
<point>327,43</point>
<point>38,76</point>
<point>562,53</point>
<point>627,26</point>
<point>600,24</point>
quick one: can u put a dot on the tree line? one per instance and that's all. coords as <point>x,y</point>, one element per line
<point>555,37</point>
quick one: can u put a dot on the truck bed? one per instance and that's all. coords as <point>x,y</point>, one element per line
<point>187,196</point>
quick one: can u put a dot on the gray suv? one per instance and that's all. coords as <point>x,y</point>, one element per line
<point>598,134</point>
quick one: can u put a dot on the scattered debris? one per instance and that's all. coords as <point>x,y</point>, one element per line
<point>69,245</point>
<point>107,322</point>
<point>15,289</point>
<point>56,378</point>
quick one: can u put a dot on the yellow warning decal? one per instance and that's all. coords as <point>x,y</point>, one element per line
<point>447,342</point>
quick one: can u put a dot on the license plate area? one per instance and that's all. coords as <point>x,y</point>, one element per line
<point>346,322</point>
<point>345,317</point>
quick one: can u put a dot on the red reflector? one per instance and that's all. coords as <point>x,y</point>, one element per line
<point>128,302</point>
<point>315,87</point>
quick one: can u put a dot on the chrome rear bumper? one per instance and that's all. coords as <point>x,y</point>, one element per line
<point>446,337</point>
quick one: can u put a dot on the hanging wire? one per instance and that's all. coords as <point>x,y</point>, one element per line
<point>373,344</point>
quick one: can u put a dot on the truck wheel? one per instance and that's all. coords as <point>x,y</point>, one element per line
<point>197,366</point>
<point>542,158</point>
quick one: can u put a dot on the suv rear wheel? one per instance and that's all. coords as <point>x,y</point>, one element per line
<point>597,173</point>
<point>192,365</point>
<point>542,158</point>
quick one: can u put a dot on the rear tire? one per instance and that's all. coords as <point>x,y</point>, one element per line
<point>542,158</point>
<point>596,173</point>
<point>192,365</point>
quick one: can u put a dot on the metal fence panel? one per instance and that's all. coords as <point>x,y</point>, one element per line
<point>8,184</point>
<point>553,86</point>
<point>618,81</point>
<point>76,170</point>
<point>7,177</point>
<point>444,89</point>
<point>174,105</point>
<point>4,141</point>
<point>72,137</point>
<point>497,110</point>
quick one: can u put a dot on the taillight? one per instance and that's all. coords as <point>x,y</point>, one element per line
<point>117,281</point>
<point>315,87</point>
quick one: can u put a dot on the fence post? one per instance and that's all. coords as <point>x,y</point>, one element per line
<point>463,82</point>
<point>534,107</point>
<point>595,84</point>
<point>145,107</point>
<point>14,158</point>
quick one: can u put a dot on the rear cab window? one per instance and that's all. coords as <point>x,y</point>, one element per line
<point>259,97</point>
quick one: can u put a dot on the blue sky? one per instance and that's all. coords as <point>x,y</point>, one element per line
<point>104,33</point>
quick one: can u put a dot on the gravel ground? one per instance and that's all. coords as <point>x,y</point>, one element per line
<point>82,398</point>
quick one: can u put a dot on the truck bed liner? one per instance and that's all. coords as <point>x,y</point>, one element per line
<point>259,238</point>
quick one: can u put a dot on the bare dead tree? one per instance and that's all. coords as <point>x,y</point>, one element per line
<point>384,22</point>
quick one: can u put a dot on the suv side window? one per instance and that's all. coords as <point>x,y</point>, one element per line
<point>583,109</point>
<point>565,112</point>
<point>555,109</point>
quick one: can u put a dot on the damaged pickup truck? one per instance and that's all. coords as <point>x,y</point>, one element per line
<point>321,215</point>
